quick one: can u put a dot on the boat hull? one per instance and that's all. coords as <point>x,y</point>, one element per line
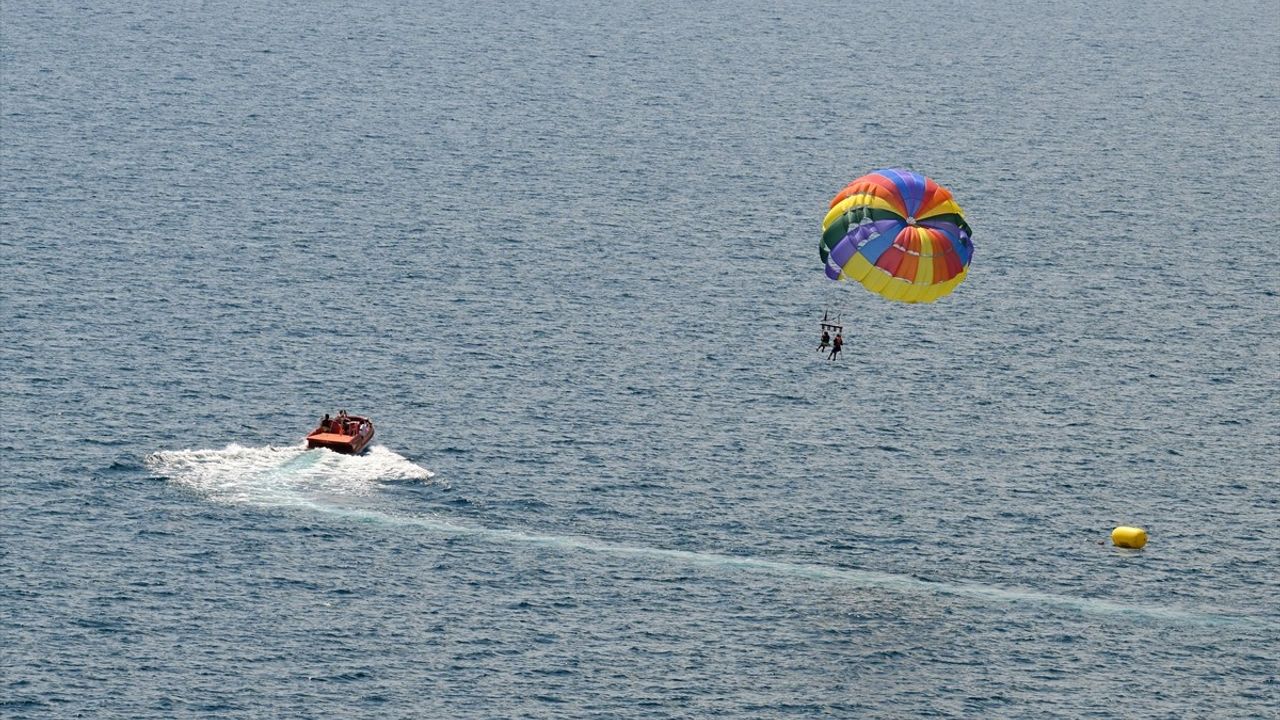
<point>341,442</point>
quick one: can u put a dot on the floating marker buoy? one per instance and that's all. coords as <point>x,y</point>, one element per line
<point>1129,537</point>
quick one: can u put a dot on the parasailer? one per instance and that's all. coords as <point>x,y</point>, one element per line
<point>899,234</point>
<point>830,324</point>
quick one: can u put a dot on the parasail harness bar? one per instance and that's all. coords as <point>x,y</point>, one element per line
<point>831,323</point>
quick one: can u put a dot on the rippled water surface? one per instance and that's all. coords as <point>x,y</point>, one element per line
<point>564,254</point>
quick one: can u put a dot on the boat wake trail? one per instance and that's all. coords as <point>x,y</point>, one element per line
<point>324,482</point>
<point>282,476</point>
<point>853,577</point>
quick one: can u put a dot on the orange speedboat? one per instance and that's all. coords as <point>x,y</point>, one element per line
<point>346,434</point>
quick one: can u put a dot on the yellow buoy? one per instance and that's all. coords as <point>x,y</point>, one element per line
<point>1129,537</point>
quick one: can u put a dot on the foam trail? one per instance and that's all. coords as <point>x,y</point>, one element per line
<point>282,476</point>
<point>325,482</point>
<point>849,576</point>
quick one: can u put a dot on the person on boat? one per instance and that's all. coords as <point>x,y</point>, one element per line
<point>826,340</point>
<point>326,423</point>
<point>836,346</point>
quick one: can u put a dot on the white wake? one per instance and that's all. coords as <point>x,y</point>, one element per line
<point>326,482</point>
<point>282,476</point>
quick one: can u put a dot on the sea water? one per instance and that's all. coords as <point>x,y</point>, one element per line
<point>565,255</point>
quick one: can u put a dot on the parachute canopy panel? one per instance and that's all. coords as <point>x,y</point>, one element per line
<point>899,234</point>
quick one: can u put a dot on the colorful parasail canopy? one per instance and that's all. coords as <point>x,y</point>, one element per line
<point>899,234</point>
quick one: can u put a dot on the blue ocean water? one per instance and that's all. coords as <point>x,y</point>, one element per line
<point>565,255</point>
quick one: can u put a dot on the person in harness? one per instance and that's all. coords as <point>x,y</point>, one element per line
<point>836,345</point>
